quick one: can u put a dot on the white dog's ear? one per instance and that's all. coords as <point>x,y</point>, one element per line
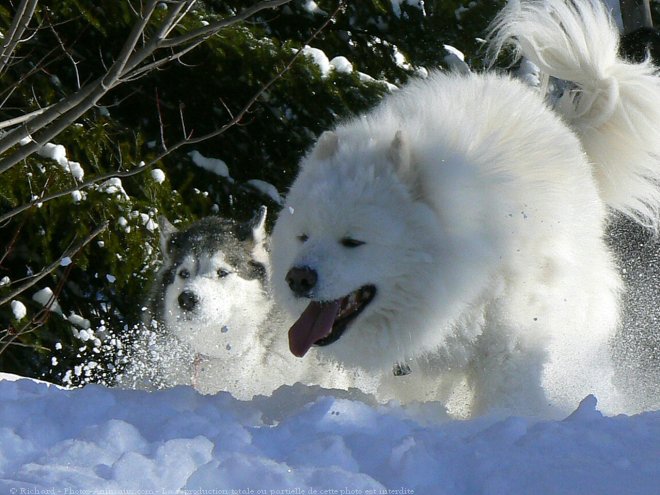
<point>326,146</point>
<point>399,154</point>
<point>401,157</point>
<point>166,230</point>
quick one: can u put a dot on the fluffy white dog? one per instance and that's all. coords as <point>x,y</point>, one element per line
<point>463,218</point>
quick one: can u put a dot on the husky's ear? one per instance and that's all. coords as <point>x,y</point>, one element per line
<point>326,146</point>
<point>166,230</point>
<point>258,225</point>
<point>259,236</point>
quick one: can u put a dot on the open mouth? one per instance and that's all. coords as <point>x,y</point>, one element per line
<point>324,322</point>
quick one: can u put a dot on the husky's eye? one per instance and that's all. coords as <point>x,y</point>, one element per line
<point>184,273</point>
<point>351,243</point>
<point>223,273</point>
<point>303,237</point>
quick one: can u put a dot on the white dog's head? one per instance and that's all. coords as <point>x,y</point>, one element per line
<point>353,251</point>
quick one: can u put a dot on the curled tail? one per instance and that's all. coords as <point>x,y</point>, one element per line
<point>613,105</point>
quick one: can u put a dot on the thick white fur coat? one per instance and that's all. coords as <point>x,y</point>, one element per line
<point>482,211</point>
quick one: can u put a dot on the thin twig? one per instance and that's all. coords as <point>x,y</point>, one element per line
<point>69,252</point>
<point>18,26</point>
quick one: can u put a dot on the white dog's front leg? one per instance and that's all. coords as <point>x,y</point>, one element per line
<point>507,376</point>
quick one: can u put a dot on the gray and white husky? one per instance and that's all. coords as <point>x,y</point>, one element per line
<point>210,320</point>
<point>211,290</point>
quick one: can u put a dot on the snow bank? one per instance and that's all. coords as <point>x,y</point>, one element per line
<point>307,440</point>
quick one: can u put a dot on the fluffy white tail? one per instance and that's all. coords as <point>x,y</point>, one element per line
<point>614,105</point>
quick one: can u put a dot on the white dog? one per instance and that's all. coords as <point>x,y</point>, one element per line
<point>463,218</point>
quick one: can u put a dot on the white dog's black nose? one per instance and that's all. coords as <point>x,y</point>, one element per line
<point>188,300</point>
<point>301,280</point>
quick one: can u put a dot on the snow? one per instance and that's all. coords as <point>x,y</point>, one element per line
<point>114,186</point>
<point>18,309</point>
<point>46,298</point>
<point>312,7</point>
<point>319,58</point>
<point>79,321</point>
<point>57,152</point>
<point>307,440</point>
<point>158,175</point>
<point>267,189</point>
<point>214,165</point>
<point>77,196</point>
<point>341,65</point>
<point>455,60</point>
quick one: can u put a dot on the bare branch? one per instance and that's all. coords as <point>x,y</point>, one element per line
<point>188,140</point>
<point>58,117</point>
<point>22,118</point>
<point>214,27</point>
<point>18,26</point>
<point>73,106</point>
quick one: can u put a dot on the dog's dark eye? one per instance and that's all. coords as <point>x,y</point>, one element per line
<point>184,273</point>
<point>223,273</point>
<point>351,243</point>
<point>303,237</point>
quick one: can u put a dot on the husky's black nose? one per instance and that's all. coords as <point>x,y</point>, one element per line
<point>188,300</point>
<point>301,280</point>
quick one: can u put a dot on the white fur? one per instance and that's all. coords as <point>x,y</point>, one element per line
<point>229,341</point>
<point>483,217</point>
<point>230,310</point>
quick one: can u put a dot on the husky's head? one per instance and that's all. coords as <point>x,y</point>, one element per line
<point>212,283</point>
<point>353,251</point>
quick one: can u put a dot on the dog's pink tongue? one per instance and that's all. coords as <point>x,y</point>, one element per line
<point>314,324</point>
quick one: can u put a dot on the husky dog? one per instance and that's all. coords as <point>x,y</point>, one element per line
<point>462,220</point>
<point>211,321</point>
<point>210,292</point>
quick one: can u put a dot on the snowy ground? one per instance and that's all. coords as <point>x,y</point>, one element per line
<point>304,440</point>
